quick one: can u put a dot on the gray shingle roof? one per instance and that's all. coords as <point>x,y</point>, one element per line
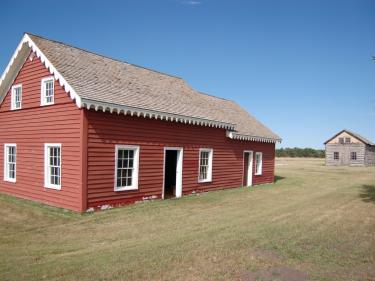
<point>102,79</point>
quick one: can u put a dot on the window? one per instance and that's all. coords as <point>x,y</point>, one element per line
<point>48,92</point>
<point>347,140</point>
<point>341,140</point>
<point>10,151</point>
<point>353,155</point>
<point>258,163</point>
<point>52,165</point>
<point>205,165</point>
<point>127,166</point>
<point>16,102</point>
<point>336,156</point>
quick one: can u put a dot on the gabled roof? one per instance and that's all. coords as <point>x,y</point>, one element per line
<point>101,83</point>
<point>355,135</point>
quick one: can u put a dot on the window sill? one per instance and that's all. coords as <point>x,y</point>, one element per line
<point>10,180</point>
<point>46,104</point>
<point>50,186</point>
<point>128,188</point>
<point>258,174</point>
<point>204,181</point>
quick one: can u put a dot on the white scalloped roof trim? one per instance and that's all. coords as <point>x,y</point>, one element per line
<point>58,77</point>
<point>152,114</point>
<point>235,136</point>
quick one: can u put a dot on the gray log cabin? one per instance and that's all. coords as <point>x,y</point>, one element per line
<point>349,149</point>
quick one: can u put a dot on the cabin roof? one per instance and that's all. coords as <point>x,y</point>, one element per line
<point>357,136</point>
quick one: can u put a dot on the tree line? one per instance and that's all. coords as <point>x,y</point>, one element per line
<point>300,152</point>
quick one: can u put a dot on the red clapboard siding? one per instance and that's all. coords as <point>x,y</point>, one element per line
<point>105,130</point>
<point>31,127</point>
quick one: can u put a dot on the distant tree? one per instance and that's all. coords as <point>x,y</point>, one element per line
<point>300,152</point>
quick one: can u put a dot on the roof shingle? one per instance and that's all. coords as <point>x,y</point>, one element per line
<point>102,79</point>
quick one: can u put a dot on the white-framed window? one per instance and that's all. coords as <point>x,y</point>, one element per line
<point>258,163</point>
<point>10,159</point>
<point>52,165</point>
<point>205,165</point>
<point>16,98</point>
<point>48,91</point>
<point>126,167</point>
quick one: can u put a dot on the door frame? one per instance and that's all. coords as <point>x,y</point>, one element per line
<point>180,157</point>
<point>249,167</point>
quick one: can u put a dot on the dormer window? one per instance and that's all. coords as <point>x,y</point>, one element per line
<point>16,97</point>
<point>48,91</point>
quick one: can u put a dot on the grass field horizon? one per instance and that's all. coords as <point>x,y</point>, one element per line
<point>314,223</point>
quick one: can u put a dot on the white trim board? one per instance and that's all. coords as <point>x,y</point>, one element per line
<point>249,171</point>
<point>236,136</point>
<point>153,114</point>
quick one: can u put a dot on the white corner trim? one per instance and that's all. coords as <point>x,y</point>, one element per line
<point>58,77</point>
<point>236,136</point>
<point>153,114</point>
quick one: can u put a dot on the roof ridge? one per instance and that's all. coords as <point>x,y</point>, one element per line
<point>104,56</point>
<point>202,93</point>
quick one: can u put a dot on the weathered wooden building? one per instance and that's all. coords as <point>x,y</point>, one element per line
<point>81,130</point>
<point>349,149</point>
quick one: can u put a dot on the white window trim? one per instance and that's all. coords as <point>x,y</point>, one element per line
<point>258,173</point>
<point>42,91</point>
<point>13,97</point>
<point>134,185</point>
<point>47,183</point>
<point>209,172</point>
<point>6,178</point>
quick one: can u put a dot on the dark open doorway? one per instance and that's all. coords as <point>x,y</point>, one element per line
<point>246,168</point>
<point>170,173</point>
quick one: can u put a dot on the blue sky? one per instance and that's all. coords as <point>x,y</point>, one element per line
<point>303,68</point>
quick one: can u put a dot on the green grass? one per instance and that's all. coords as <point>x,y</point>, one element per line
<point>316,220</point>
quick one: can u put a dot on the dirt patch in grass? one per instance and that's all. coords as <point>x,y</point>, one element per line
<point>279,273</point>
<point>265,256</point>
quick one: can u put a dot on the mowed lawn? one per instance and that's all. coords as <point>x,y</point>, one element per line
<point>314,223</point>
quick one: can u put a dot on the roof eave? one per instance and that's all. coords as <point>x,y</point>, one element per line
<point>237,136</point>
<point>153,114</point>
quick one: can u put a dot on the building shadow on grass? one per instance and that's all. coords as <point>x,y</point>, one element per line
<point>278,178</point>
<point>368,193</point>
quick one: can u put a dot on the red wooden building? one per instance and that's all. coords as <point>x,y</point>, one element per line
<point>81,130</point>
